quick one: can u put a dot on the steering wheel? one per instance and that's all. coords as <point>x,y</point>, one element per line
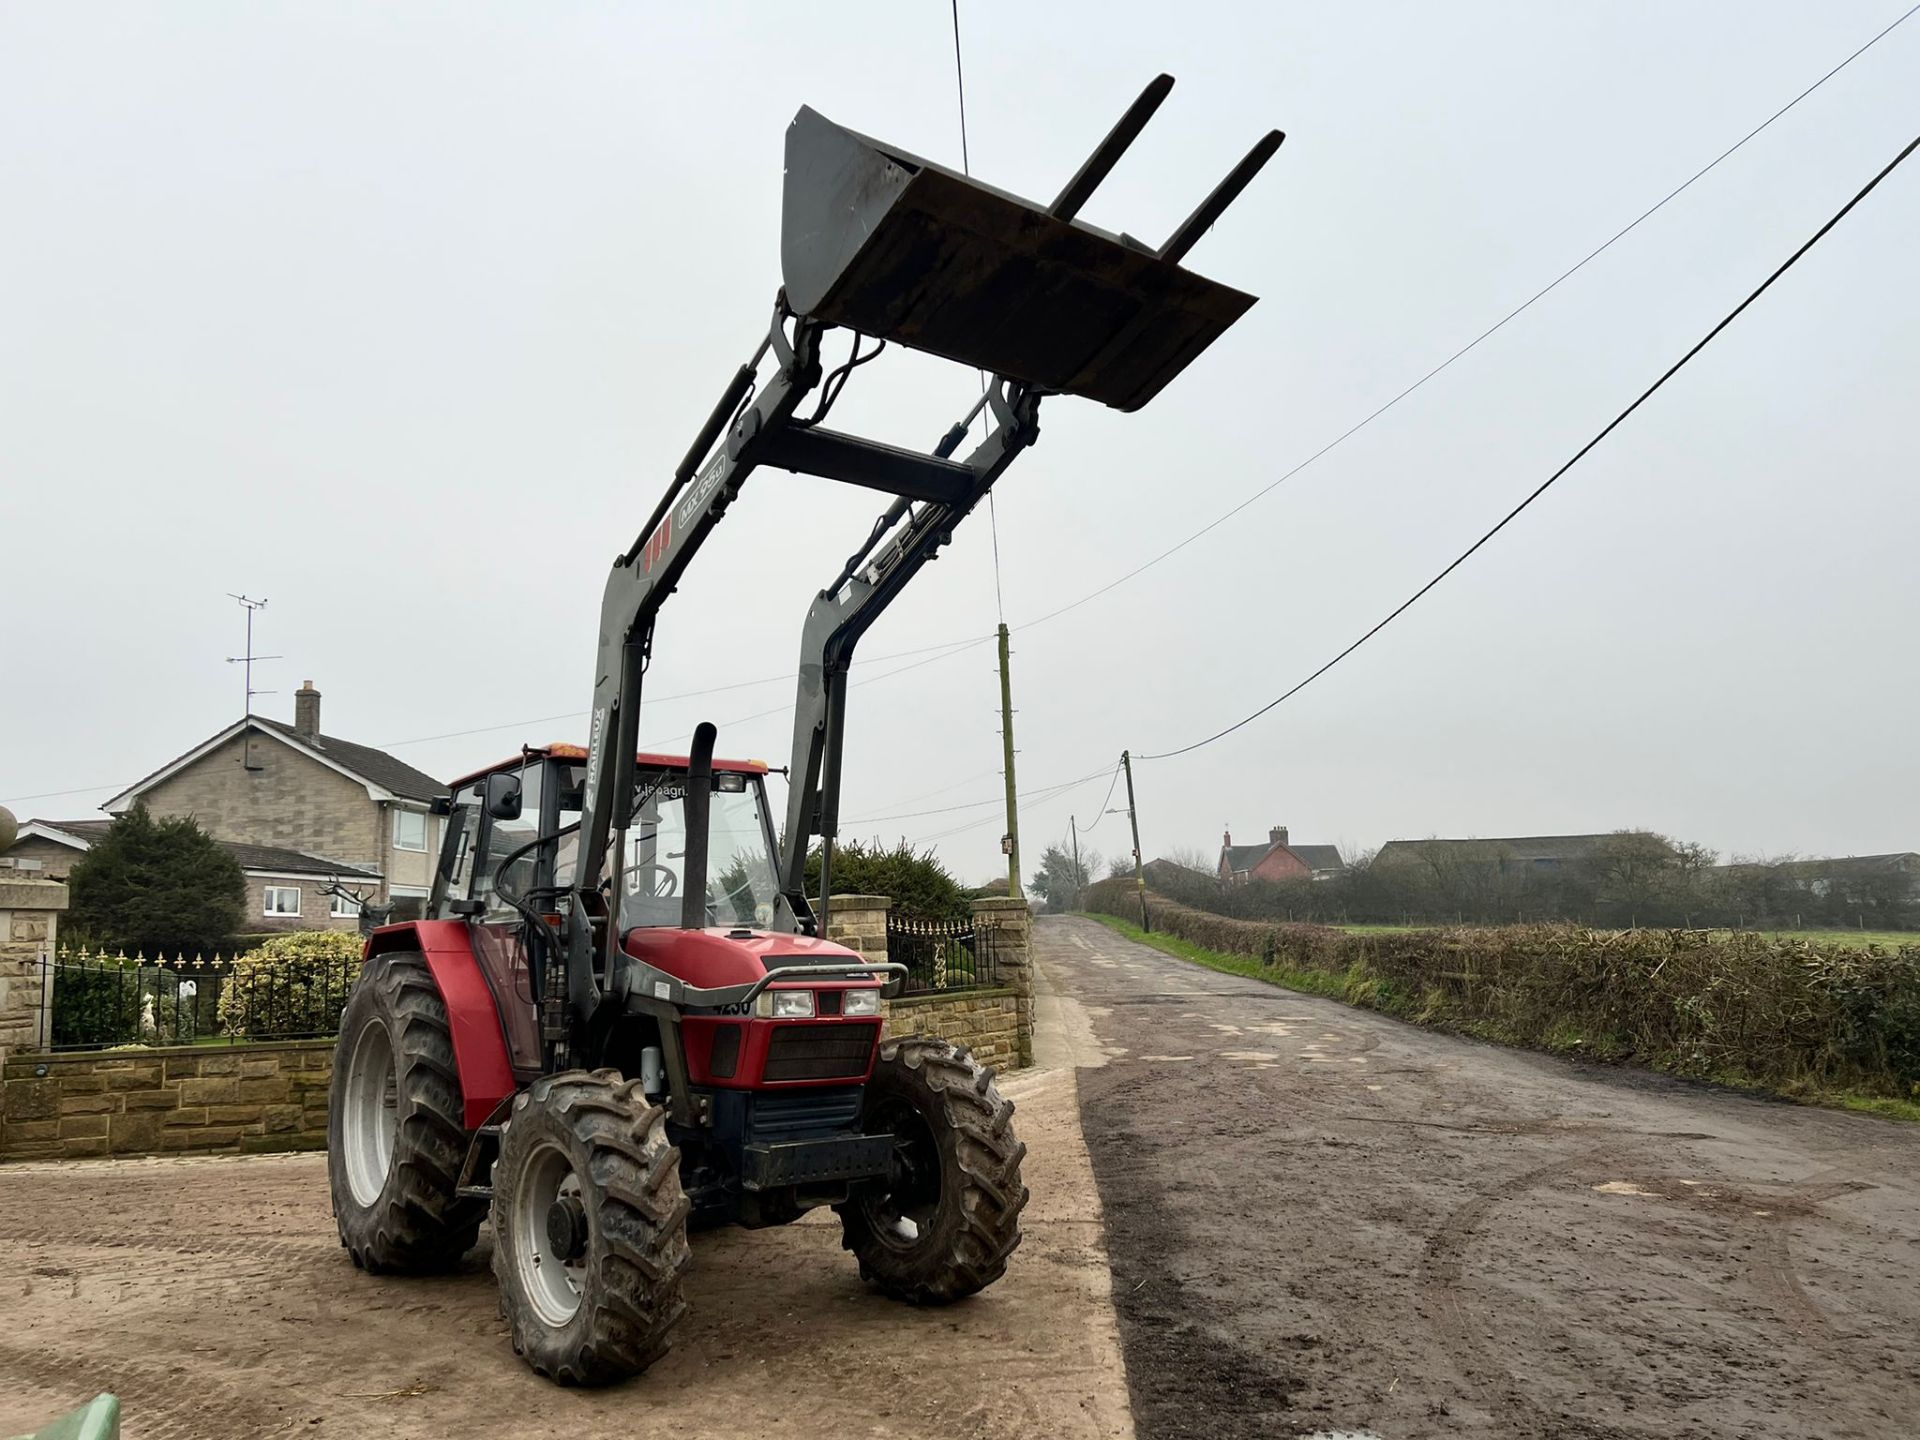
<point>661,884</point>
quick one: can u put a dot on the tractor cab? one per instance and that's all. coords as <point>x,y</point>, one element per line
<point>512,836</point>
<point>495,814</point>
<point>757,1041</point>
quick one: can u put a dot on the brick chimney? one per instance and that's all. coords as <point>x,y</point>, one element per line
<point>306,711</point>
<point>1277,835</point>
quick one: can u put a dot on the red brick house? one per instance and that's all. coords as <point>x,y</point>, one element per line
<point>1277,859</point>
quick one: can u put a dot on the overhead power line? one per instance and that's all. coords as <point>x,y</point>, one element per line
<point>1437,370</point>
<point>1474,343</point>
<point>954,647</point>
<point>1104,812</point>
<point>946,647</point>
<point>54,794</point>
<point>1036,798</point>
<point>1542,488</point>
<point>951,648</point>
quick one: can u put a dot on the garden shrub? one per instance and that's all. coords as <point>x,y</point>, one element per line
<point>291,985</point>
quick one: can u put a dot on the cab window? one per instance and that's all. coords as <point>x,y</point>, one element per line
<point>501,838</point>
<point>463,829</point>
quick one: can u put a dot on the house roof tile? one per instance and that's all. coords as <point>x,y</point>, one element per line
<point>251,857</point>
<point>1319,857</point>
<point>375,765</point>
<point>1245,857</point>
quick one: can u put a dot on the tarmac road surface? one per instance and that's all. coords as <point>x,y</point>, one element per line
<point>1322,1221</point>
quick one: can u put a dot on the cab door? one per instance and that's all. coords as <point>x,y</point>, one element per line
<point>499,943</point>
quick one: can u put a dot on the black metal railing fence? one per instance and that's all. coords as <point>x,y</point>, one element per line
<point>942,955</point>
<point>97,1001</point>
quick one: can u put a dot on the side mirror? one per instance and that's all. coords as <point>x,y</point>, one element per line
<point>503,795</point>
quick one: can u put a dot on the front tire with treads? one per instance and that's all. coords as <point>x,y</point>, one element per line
<point>942,1223</point>
<point>395,1142</point>
<point>589,1228</point>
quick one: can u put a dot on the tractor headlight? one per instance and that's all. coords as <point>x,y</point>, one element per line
<point>860,1002</point>
<point>792,1004</point>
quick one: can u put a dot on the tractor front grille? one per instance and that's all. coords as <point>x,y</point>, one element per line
<point>819,1052</point>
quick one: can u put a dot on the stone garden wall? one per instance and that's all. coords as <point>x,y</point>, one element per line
<point>231,1098</point>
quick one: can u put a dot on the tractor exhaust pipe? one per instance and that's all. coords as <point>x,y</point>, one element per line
<point>699,804</point>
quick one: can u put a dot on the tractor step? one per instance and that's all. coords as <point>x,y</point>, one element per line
<point>467,1188</point>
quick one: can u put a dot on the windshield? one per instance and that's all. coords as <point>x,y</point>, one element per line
<point>740,883</point>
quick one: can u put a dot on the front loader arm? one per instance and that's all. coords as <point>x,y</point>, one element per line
<point>845,610</point>
<point>639,584</point>
<point>892,246</point>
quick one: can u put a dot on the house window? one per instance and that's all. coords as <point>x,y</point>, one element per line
<point>409,903</point>
<point>344,907</point>
<point>410,830</point>
<point>283,900</point>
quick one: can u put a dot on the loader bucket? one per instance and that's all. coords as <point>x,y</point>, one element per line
<point>886,243</point>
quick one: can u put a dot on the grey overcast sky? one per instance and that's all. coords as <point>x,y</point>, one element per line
<point>401,315</point>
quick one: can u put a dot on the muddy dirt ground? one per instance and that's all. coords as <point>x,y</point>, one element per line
<point>213,1295</point>
<point>1321,1220</point>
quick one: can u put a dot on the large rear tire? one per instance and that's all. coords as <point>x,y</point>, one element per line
<point>395,1142</point>
<point>944,1221</point>
<point>589,1228</point>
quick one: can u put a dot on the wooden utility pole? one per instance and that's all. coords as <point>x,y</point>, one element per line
<point>1133,819</point>
<point>1079,875</point>
<point>1006,745</point>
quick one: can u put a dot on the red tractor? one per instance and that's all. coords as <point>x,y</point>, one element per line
<point>622,1017</point>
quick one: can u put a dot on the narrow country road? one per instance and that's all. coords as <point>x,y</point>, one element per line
<point>1324,1221</point>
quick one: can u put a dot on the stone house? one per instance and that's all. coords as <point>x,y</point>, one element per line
<point>296,806</point>
<point>47,850</point>
<point>1277,859</point>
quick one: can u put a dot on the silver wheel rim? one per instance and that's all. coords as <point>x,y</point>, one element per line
<point>371,1118</point>
<point>551,1285</point>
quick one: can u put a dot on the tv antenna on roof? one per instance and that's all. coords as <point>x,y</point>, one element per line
<point>246,660</point>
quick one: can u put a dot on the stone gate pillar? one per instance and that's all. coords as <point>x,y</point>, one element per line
<point>1007,925</point>
<point>29,931</point>
<point>859,922</point>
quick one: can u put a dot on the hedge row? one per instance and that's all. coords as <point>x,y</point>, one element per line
<point>1745,1008</point>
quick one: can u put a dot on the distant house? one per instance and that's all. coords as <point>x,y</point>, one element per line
<point>1876,871</point>
<point>1894,877</point>
<point>1507,855</point>
<point>1277,859</point>
<point>1170,873</point>
<point>283,886</point>
<point>296,805</point>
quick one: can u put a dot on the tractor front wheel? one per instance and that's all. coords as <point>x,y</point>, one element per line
<point>589,1228</point>
<point>946,1217</point>
<point>395,1140</point>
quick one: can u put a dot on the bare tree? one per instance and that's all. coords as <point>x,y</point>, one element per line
<point>1192,857</point>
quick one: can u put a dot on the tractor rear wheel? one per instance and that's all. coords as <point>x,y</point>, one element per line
<point>395,1141</point>
<point>589,1228</point>
<point>943,1222</point>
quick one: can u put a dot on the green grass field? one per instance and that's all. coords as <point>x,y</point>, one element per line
<point>1892,939</point>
